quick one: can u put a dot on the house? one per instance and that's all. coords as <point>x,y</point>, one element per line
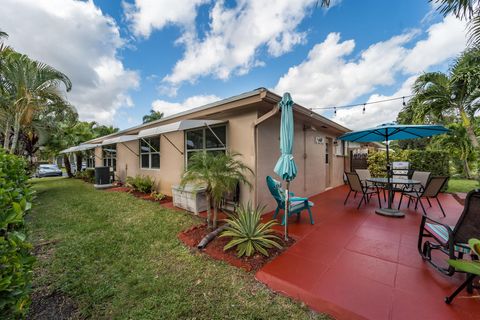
<point>249,124</point>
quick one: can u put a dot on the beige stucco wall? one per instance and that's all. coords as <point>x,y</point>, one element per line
<point>309,158</point>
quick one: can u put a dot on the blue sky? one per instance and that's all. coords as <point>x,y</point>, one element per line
<point>125,58</point>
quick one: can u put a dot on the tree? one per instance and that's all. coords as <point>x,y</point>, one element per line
<point>219,173</point>
<point>29,86</point>
<point>468,10</point>
<point>152,116</point>
<point>102,130</point>
<point>444,98</point>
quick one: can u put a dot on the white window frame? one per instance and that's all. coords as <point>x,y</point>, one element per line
<point>204,142</point>
<point>149,153</point>
<point>90,156</point>
<point>109,161</point>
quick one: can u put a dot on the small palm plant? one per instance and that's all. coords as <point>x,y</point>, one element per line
<point>248,234</point>
<point>219,174</point>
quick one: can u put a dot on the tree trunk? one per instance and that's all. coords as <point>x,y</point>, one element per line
<point>209,237</point>
<point>469,127</point>
<point>6,137</point>
<point>68,167</point>
<point>215,215</point>
<point>209,201</point>
<point>466,169</point>
<point>16,132</point>
<point>79,159</point>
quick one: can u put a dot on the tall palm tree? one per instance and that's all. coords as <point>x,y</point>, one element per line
<point>219,174</point>
<point>440,97</point>
<point>468,10</point>
<point>30,85</point>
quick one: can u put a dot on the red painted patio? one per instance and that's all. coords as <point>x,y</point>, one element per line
<point>357,264</point>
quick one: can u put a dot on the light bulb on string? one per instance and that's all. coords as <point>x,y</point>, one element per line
<point>404,104</point>
<point>363,111</point>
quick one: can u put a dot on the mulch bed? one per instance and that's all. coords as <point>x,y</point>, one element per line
<point>214,249</point>
<point>141,195</point>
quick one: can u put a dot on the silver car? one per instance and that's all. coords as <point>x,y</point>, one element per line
<point>49,170</point>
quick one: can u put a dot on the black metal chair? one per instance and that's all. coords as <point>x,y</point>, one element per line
<point>230,200</point>
<point>356,186</point>
<point>431,190</point>
<point>453,241</point>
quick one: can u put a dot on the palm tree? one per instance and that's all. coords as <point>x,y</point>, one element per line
<point>152,116</point>
<point>30,85</point>
<point>440,97</point>
<point>219,173</point>
<point>468,10</point>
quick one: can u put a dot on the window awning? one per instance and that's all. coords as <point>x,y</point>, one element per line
<point>177,126</point>
<point>120,139</point>
<point>81,147</point>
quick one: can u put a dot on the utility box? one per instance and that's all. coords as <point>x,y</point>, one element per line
<point>102,178</point>
<point>191,198</point>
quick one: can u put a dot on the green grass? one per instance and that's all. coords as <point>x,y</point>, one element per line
<point>462,185</point>
<point>118,257</point>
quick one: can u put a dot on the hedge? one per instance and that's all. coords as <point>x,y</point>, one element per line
<point>15,252</point>
<point>436,162</point>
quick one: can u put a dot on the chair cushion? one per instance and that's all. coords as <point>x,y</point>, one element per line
<point>441,234</point>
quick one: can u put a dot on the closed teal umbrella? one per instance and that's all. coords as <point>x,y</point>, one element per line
<point>286,167</point>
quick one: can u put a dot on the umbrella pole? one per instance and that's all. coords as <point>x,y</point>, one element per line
<point>388,176</point>
<point>287,199</point>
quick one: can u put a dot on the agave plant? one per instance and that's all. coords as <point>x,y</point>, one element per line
<point>248,234</point>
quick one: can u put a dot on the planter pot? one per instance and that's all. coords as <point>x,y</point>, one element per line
<point>190,198</point>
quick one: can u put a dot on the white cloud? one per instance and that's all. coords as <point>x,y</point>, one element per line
<point>234,38</point>
<point>146,15</point>
<point>78,39</point>
<point>169,108</point>
<point>445,40</point>
<point>375,114</point>
<point>329,76</point>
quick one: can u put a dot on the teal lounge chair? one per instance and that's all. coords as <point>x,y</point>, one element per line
<point>297,204</point>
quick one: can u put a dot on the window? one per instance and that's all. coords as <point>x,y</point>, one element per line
<point>110,156</point>
<point>150,153</point>
<point>204,140</point>
<point>90,156</point>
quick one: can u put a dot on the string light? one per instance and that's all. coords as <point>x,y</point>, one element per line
<point>335,110</point>
<point>363,111</point>
<point>361,104</point>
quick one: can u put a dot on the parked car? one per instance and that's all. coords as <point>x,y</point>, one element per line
<point>49,170</point>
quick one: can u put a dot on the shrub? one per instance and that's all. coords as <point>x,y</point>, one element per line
<point>15,258</point>
<point>87,175</point>
<point>140,183</point>
<point>157,195</point>
<point>248,234</point>
<point>436,162</point>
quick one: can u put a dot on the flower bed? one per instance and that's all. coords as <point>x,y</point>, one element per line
<point>141,195</point>
<point>214,249</point>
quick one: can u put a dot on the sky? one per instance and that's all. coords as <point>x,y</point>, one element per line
<point>128,57</point>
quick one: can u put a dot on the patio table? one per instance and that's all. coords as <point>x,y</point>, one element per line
<point>389,182</point>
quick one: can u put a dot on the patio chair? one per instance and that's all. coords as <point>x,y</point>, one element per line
<point>451,240</point>
<point>297,204</point>
<point>356,186</point>
<point>431,190</point>
<point>364,175</point>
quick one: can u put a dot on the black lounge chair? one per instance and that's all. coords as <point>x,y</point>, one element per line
<point>453,241</point>
<point>431,190</point>
<point>356,186</point>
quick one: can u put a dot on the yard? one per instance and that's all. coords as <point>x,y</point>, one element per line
<point>116,256</point>
<point>462,185</point>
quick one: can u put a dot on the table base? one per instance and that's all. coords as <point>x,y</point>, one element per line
<point>390,213</point>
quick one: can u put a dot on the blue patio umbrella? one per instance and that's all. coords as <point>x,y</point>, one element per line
<point>286,167</point>
<point>388,132</point>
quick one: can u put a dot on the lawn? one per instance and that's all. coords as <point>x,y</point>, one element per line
<point>462,185</point>
<point>117,256</point>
